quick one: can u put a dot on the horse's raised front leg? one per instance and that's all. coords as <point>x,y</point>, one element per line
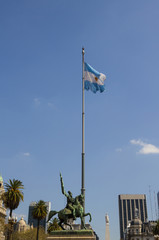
<point>88,214</point>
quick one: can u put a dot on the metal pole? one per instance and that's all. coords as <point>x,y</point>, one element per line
<point>83,153</point>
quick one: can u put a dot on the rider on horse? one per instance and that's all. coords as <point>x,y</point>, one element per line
<point>70,199</point>
<point>74,209</point>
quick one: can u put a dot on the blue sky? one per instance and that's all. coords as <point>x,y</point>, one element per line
<point>40,101</point>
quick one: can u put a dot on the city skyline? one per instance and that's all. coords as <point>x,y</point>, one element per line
<point>41,107</point>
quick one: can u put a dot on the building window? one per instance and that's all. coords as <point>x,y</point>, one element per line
<point>141,210</point>
<point>145,207</point>
<point>133,208</point>
<point>129,209</point>
<point>136,203</point>
<point>125,217</point>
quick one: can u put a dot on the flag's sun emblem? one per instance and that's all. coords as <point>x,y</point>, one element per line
<point>96,79</point>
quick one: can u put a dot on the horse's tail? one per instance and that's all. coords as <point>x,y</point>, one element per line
<point>51,214</point>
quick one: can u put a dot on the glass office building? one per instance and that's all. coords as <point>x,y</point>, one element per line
<point>127,205</point>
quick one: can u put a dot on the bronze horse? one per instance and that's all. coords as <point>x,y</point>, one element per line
<point>65,214</point>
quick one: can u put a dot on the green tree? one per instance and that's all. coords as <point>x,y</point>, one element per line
<point>13,195</point>
<point>54,226</point>
<point>39,213</point>
<point>30,235</point>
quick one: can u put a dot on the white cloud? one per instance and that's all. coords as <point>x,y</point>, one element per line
<point>118,149</point>
<point>27,154</point>
<point>51,105</point>
<point>145,147</point>
<point>36,102</point>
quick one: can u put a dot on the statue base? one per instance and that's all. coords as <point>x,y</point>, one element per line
<point>72,235</point>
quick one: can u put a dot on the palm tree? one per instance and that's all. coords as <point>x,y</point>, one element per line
<point>11,198</point>
<point>13,195</point>
<point>39,213</point>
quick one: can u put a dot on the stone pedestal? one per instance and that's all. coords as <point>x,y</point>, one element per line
<point>72,235</point>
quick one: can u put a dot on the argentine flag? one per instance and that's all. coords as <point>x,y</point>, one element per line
<point>93,80</point>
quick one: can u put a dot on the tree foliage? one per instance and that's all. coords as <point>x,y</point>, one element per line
<point>54,226</point>
<point>13,194</point>
<point>156,229</point>
<point>30,235</point>
<point>40,210</point>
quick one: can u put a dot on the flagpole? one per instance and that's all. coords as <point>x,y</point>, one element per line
<point>83,153</point>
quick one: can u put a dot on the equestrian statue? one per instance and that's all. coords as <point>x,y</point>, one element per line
<point>74,209</point>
